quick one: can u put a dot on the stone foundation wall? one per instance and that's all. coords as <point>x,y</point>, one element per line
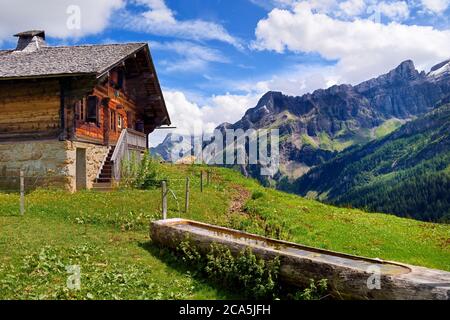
<point>44,163</point>
<point>95,155</point>
<point>53,160</point>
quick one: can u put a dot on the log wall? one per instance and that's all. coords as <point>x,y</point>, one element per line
<point>29,107</point>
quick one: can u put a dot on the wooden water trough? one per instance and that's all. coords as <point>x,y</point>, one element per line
<point>348,276</point>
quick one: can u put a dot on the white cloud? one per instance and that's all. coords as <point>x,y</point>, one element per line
<point>397,10</point>
<point>191,118</point>
<point>52,16</point>
<point>362,47</point>
<point>436,6</point>
<point>295,81</point>
<point>158,19</point>
<point>353,7</point>
<point>192,57</point>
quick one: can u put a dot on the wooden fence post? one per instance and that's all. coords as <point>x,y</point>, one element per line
<point>164,199</point>
<point>22,192</point>
<point>186,207</point>
<point>201,181</point>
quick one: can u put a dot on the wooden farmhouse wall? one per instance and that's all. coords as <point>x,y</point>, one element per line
<point>29,109</point>
<point>113,104</point>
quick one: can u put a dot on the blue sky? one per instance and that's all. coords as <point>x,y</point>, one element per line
<point>215,58</point>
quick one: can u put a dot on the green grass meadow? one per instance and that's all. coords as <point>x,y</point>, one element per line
<point>106,234</point>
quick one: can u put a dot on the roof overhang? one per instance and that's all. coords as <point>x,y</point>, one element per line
<point>151,96</point>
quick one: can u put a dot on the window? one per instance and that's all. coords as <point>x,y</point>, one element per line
<point>120,122</point>
<point>92,109</point>
<point>80,112</point>
<point>140,126</point>
<point>120,79</point>
<point>113,120</point>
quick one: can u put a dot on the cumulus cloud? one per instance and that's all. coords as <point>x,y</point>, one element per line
<point>353,7</point>
<point>397,10</point>
<point>361,47</point>
<point>436,6</point>
<point>348,9</point>
<point>159,19</point>
<point>52,16</point>
<point>191,118</point>
<point>295,80</point>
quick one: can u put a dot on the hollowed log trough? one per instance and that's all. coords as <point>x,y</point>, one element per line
<point>349,277</point>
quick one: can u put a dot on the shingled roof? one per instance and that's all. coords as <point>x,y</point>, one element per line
<point>59,61</point>
<point>33,58</point>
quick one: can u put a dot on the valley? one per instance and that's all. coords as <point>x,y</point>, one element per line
<point>319,129</point>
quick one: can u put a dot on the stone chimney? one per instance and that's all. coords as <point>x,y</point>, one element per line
<point>30,41</point>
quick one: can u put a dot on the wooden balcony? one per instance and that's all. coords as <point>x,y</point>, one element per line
<point>136,139</point>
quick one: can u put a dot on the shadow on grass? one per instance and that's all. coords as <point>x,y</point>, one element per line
<point>169,259</point>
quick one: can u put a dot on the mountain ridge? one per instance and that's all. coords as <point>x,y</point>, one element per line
<point>317,126</point>
<point>383,174</point>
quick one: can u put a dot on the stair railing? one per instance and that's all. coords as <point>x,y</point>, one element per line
<point>129,139</point>
<point>120,153</point>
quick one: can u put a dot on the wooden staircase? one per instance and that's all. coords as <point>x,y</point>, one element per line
<point>110,172</point>
<point>105,179</point>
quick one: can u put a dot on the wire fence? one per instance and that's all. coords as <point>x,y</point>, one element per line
<point>10,181</point>
<point>175,190</point>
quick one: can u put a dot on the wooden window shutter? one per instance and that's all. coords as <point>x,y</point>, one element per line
<point>92,110</point>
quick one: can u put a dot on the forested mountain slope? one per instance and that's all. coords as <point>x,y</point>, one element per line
<point>406,173</point>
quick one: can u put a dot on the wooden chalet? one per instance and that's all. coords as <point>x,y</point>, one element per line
<point>76,111</point>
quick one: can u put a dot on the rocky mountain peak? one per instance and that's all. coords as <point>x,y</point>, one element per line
<point>224,126</point>
<point>440,65</point>
<point>405,71</point>
<point>268,100</point>
<point>440,70</point>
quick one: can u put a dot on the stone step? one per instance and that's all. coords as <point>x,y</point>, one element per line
<point>104,181</point>
<point>102,187</point>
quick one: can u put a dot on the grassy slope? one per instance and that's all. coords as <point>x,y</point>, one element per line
<point>345,138</point>
<point>387,127</point>
<point>107,234</point>
<point>347,230</point>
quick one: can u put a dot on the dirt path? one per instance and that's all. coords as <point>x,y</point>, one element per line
<point>240,197</point>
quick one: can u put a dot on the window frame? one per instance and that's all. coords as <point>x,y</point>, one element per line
<point>89,114</point>
<point>120,120</point>
<point>80,110</point>
<point>113,120</point>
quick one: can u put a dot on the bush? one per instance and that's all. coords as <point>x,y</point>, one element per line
<point>255,278</point>
<point>189,254</point>
<point>257,195</point>
<point>141,173</point>
<point>246,274</point>
<point>259,278</point>
<point>316,291</point>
